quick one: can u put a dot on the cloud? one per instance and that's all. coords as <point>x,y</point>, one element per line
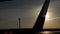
<point>8,4</point>
<point>53,18</point>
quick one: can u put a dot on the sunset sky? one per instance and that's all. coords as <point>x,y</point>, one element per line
<point>28,11</point>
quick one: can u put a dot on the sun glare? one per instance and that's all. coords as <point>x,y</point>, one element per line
<point>47,16</point>
<point>46,32</point>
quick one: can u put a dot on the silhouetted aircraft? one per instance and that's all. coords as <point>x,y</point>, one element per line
<point>38,26</point>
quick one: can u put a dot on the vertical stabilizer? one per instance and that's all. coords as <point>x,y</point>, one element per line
<point>38,26</point>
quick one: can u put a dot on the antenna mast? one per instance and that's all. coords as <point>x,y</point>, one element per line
<point>19,22</point>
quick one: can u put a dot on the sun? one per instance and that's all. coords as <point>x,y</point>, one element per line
<point>47,16</point>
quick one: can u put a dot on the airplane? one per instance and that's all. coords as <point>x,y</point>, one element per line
<point>38,26</point>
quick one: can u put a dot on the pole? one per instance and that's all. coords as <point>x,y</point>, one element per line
<point>19,23</point>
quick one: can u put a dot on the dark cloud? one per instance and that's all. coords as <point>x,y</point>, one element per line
<point>25,4</point>
<point>8,4</point>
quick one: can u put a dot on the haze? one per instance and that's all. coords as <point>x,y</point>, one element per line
<point>28,11</point>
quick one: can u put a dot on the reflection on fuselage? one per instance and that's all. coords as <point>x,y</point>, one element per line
<point>49,32</point>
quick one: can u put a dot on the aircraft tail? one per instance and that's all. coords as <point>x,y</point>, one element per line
<point>38,26</point>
